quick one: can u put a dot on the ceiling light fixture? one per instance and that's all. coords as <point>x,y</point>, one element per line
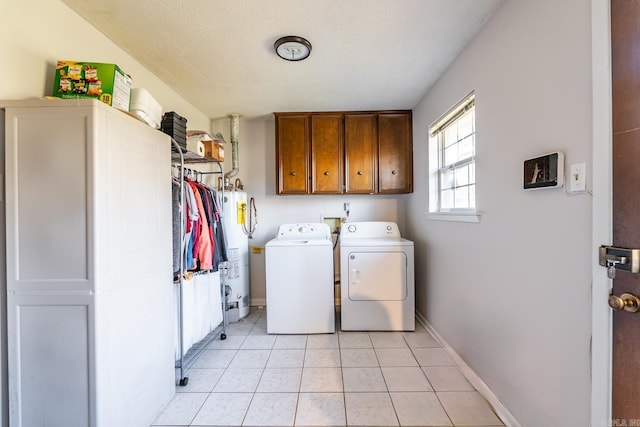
<point>292,48</point>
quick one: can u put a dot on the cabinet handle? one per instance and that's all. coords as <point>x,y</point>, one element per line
<point>293,174</point>
<point>359,172</point>
<point>326,173</point>
<point>393,172</point>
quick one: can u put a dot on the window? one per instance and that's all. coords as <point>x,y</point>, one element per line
<point>452,150</point>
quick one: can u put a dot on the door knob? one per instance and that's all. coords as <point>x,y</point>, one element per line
<point>626,302</point>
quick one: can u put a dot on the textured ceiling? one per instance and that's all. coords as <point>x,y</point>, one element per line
<point>218,54</point>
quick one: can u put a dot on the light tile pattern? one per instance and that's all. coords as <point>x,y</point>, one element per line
<point>223,409</point>
<point>319,380</point>
<point>202,381</point>
<point>405,378</point>
<point>358,358</point>
<point>272,409</point>
<point>419,409</point>
<point>370,409</point>
<point>447,378</point>
<point>363,380</point>
<point>321,409</point>
<point>341,379</point>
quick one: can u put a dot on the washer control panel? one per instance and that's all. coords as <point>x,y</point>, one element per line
<point>306,231</point>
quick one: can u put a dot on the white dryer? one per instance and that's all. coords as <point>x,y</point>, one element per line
<point>376,278</point>
<point>299,280</point>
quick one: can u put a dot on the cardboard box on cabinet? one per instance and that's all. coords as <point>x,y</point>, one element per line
<point>105,82</point>
<point>213,146</point>
<point>214,150</point>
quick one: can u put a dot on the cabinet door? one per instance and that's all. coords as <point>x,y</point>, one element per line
<point>360,143</point>
<point>326,153</point>
<point>395,153</point>
<point>51,360</point>
<point>48,155</point>
<point>292,148</point>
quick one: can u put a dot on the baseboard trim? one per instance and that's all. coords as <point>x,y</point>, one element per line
<point>505,415</point>
<point>257,302</point>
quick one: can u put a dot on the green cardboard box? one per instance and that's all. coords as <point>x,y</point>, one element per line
<point>106,82</point>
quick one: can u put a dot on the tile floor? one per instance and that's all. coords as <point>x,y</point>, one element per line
<point>341,379</point>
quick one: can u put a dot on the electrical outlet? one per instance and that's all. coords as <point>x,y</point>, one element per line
<point>578,177</point>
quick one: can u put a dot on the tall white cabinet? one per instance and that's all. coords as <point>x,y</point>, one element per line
<point>88,265</point>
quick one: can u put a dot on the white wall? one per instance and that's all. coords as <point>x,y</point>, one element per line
<point>35,34</point>
<point>512,293</point>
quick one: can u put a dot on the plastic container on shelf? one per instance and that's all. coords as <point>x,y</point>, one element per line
<point>145,107</point>
<point>175,125</point>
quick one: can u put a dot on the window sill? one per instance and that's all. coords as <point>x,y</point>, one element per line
<point>473,216</point>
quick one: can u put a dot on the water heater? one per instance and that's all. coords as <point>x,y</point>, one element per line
<point>236,274</point>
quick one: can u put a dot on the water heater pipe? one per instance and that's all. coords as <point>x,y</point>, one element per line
<point>234,150</point>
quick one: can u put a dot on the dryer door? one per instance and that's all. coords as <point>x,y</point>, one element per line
<point>377,276</point>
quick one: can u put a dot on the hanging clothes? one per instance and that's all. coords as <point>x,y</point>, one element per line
<point>202,251</point>
<point>220,255</point>
<point>192,225</point>
<point>207,203</point>
<point>175,226</point>
<point>203,244</point>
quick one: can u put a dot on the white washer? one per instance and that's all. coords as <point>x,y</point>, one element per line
<point>376,278</point>
<point>299,280</point>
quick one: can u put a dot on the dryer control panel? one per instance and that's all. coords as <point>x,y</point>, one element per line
<point>370,230</point>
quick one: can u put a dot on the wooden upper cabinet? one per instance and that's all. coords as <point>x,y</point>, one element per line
<point>363,152</point>
<point>360,147</point>
<point>395,153</point>
<point>326,153</point>
<point>292,151</point>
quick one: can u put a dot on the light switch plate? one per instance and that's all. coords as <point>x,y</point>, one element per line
<point>578,177</point>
